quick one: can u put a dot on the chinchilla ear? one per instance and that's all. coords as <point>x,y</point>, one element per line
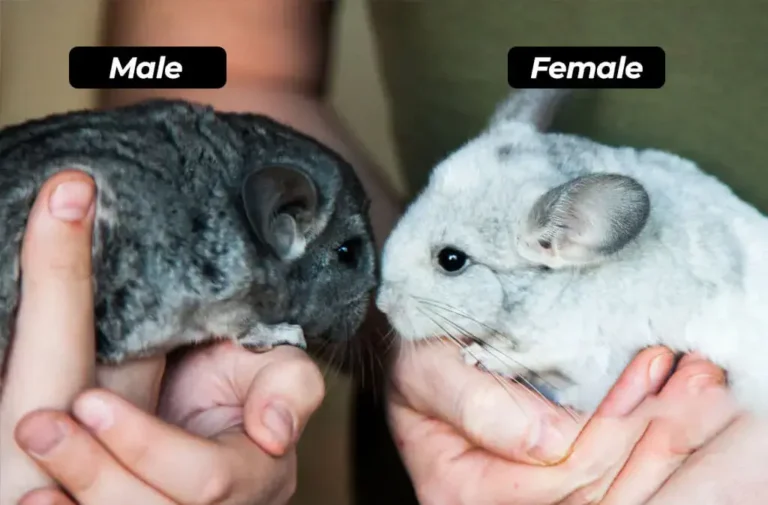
<point>584,220</point>
<point>534,107</point>
<point>281,202</point>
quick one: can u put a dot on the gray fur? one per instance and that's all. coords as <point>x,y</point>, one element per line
<point>590,217</point>
<point>176,259</point>
<point>536,107</point>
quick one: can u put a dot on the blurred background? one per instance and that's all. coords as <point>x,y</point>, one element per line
<point>35,39</point>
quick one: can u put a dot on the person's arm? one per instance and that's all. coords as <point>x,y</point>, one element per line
<point>277,59</point>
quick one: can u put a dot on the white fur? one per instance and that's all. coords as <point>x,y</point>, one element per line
<point>696,278</point>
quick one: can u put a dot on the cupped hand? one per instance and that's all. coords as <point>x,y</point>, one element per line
<point>230,418</point>
<point>466,439</point>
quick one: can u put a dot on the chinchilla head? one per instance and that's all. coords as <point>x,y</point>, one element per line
<point>499,219</point>
<point>309,211</point>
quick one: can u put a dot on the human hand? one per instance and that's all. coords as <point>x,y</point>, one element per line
<point>50,359</point>
<point>222,404</point>
<point>207,393</point>
<point>466,439</point>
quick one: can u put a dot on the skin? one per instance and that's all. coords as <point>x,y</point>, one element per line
<point>652,441</point>
<point>452,449</point>
<point>225,414</point>
<point>285,78</point>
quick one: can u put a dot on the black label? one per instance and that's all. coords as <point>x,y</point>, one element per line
<point>586,67</point>
<point>147,67</point>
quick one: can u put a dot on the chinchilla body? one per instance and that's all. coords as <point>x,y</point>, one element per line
<point>207,224</point>
<point>562,258</point>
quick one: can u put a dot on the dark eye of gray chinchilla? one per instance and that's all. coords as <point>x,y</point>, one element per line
<point>348,252</point>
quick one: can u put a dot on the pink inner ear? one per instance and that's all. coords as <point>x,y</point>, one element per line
<point>542,247</point>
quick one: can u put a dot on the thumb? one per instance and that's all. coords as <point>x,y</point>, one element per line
<point>52,355</point>
<point>55,325</point>
<point>281,398</point>
<point>500,416</point>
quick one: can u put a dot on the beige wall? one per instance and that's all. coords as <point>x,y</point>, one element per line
<point>35,38</point>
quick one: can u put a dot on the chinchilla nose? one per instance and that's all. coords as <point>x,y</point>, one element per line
<point>387,297</point>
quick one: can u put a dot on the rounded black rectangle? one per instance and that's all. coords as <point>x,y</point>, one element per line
<point>586,67</point>
<point>106,67</point>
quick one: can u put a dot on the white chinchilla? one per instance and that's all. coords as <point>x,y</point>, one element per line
<point>565,257</point>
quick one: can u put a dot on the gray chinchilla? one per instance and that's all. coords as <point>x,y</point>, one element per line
<point>563,257</point>
<point>208,225</point>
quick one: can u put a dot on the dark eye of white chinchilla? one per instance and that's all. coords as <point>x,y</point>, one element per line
<point>452,260</point>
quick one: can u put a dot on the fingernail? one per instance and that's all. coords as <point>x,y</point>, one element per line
<point>40,435</point>
<point>549,445</point>
<point>71,200</point>
<point>699,383</point>
<point>279,421</point>
<point>42,496</point>
<point>94,412</point>
<point>659,368</point>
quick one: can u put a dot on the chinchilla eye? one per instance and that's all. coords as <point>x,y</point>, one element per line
<point>349,251</point>
<point>452,260</point>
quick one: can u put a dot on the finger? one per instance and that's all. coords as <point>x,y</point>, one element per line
<point>444,465</point>
<point>186,468</point>
<point>611,434</point>
<point>137,381</point>
<point>697,406</point>
<point>504,418</point>
<point>52,356</point>
<point>729,469</point>
<point>426,445</point>
<point>46,497</point>
<point>80,464</point>
<point>644,376</point>
<point>276,482</point>
<point>280,398</point>
<point>272,394</point>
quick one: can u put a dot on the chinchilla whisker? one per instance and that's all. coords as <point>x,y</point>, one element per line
<point>457,312</point>
<point>357,356</point>
<point>390,344</point>
<point>334,368</point>
<point>498,352</point>
<point>365,357</point>
<point>571,413</point>
<point>326,368</point>
<point>452,338</point>
<point>372,359</point>
<point>470,335</point>
<point>392,338</point>
<point>519,379</point>
<point>321,351</point>
<point>328,365</point>
<point>376,356</point>
<point>406,351</point>
<point>375,360</point>
<point>369,363</point>
<point>322,348</point>
<point>501,380</point>
<point>522,380</point>
<point>538,394</point>
<point>495,350</point>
